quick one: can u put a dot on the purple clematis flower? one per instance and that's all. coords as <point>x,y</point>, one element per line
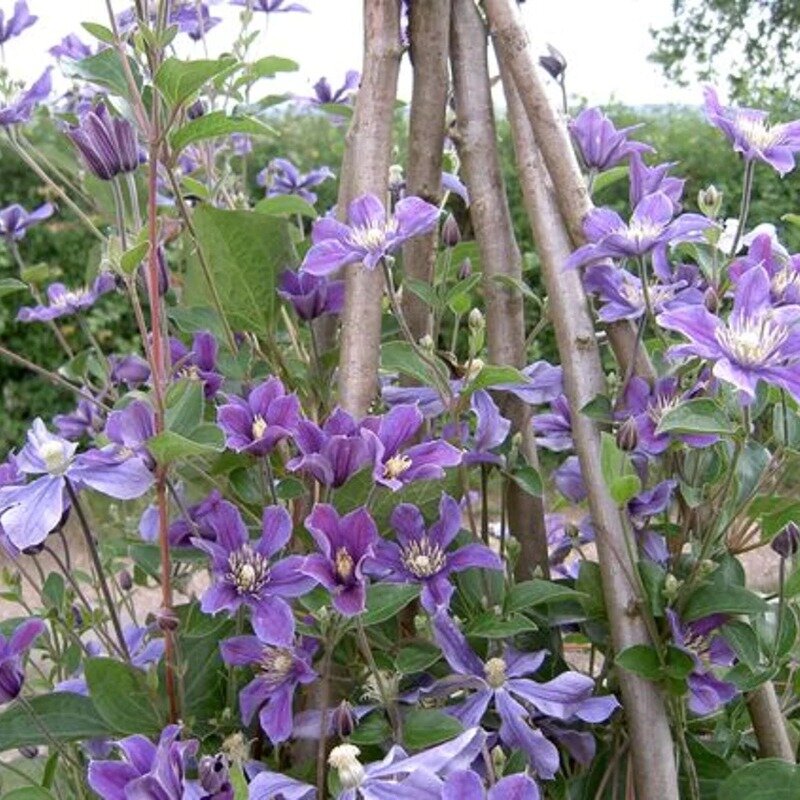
<point>564,539</point>
<point>70,47</point>
<point>600,145</point>
<point>108,144</point>
<point>86,420</point>
<point>345,544</point>
<point>29,512</point>
<point>707,693</point>
<point>468,785</point>
<point>271,6</point>
<point>199,363</point>
<point>243,574</point>
<point>193,19</point>
<point>397,776</point>
<point>757,343</point>
<point>646,180</point>
<point>15,220</point>
<point>783,269</point>
<point>546,382</point>
<point>370,237</point>
<point>132,370</point>
<point>282,177</point>
<point>131,428</point>
<point>750,133</point>
<point>22,108</point>
<point>553,429</point>
<point>18,22</point>
<point>491,430</point>
<point>516,698</point>
<point>421,554</point>
<point>651,225</point>
<point>622,295</point>
<point>12,652</point>
<point>324,94</point>
<point>311,296</point>
<point>63,302</point>
<point>568,479</point>
<point>281,665</point>
<point>258,424</point>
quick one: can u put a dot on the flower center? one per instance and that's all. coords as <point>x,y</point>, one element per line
<point>758,133</point>
<point>660,406</point>
<point>372,237</point>
<point>344,564</point>
<point>788,278</point>
<point>396,466</point>
<point>640,231</point>
<point>495,671</point>
<point>344,759</point>
<point>54,456</point>
<point>259,427</point>
<point>423,558</point>
<point>276,663</point>
<point>70,298</point>
<point>752,341</point>
<point>248,571</point>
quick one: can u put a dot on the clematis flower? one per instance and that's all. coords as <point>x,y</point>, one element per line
<point>553,429</point>
<point>421,554</point>
<point>18,22</point>
<point>243,574</point>
<point>370,237</point>
<point>398,775</point>
<point>311,296</point>
<point>324,94</point>
<point>193,19</point>
<point>568,479</point>
<point>201,519</point>
<point>564,539</point>
<point>21,109</point>
<point>757,343</point>
<point>345,544</point>
<point>70,47</point>
<point>282,177</point>
<point>15,220</point>
<point>258,424</point>
<point>467,785</point>
<point>281,665</point>
<point>87,419</point>
<point>651,225</point>
<point>545,383</point>
<point>63,302</point>
<point>600,145</point>
<point>646,180</point>
<point>199,363</point>
<point>108,144</point>
<point>132,370</point>
<point>707,693</point>
<point>751,134</point>
<point>30,511</point>
<point>271,6</point>
<point>131,428</point>
<point>501,681</point>
<point>12,652</point>
<point>783,270</point>
<point>491,430</point>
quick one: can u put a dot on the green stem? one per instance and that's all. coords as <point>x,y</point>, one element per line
<point>744,208</point>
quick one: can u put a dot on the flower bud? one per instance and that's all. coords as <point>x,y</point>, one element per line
<point>344,721</point>
<point>397,182</point>
<point>29,751</point>
<point>628,435</point>
<point>427,343</point>
<point>167,619</point>
<point>671,587</point>
<point>706,567</point>
<point>125,580</point>
<point>464,269</point>
<point>711,300</point>
<point>196,109</point>
<point>787,542</point>
<point>709,201</point>
<point>475,320</point>
<point>213,774</point>
<point>553,63</point>
<point>451,235</point>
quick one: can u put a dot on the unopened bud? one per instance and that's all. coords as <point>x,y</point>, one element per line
<point>29,751</point>
<point>344,721</point>
<point>711,300</point>
<point>706,567</point>
<point>671,587</point>
<point>709,201</point>
<point>499,760</point>
<point>397,183</point>
<point>475,320</point>
<point>427,343</point>
<point>125,580</point>
<point>628,435</point>
<point>787,542</point>
<point>464,269</point>
<point>196,109</point>
<point>474,368</point>
<point>553,63</point>
<point>451,235</point>
<point>167,619</point>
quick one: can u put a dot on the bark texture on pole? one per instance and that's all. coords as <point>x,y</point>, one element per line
<point>769,724</point>
<point>476,139</point>
<point>429,34</point>
<point>514,54</point>
<point>365,169</point>
<point>651,740</point>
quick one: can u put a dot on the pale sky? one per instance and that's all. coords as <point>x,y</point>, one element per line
<point>606,42</point>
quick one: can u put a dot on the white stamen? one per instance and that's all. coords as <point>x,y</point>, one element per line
<point>752,341</point>
<point>248,571</point>
<point>495,671</point>
<point>396,466</point>
<point>344,759</point>
<point>423,558</point>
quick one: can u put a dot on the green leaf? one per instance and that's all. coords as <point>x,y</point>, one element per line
<point>625,488</point>
<point>99,32</point>
<point>385,600</point>
<point>608,178</point>
<point>489,626</point>
<point>679,663</point>
<point>354,492</point>
<point>537,592</point>
<point>528,479</point>
<point>170,446</point>
<point>185,401</point>
<point>743,641</point>
<point>423,290</point>
<point>217,123</point>
<point>599,408</point>
<point>792,219</point>
<point>244,251</point>
<point>104,69</point>
<point>373,729</point>
<point>425,727</point>
<point>400,357</point>
<point>133,257</point>
<point>728,599</point>
<point>286,205</point>
<point>180,80</point>
<point>767,779</point>
<point>122,697</point>
<point>641,659</point>
<point>622,481</point>
<point>417,657</point>
<point>28,793</point>
<point>700,415</point>
<point>493,375</point>
<point>11,286</point>
<point>267,67</point>
<point>67,717</point>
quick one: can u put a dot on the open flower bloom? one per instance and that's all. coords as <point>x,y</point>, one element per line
<point>600,145</point>
<point>345,544</point>
<point>370,236</point>
<point>258,424</point>
<point>132,370</point>
<point>194,19</point>
<point>651,225</point>
<point>70,47</point>
<point>491,430</point>
<point>86,420</point>
<point>199,363</point>
<point>282,177</point>
<point>108,144</point>
<point>553,429</point>
<point>325,94</point>
<point>758,342</point>
<point>22,108</point>
<point>398,775</point>
<point>271,6</point>
<point>646,180</point>
<point>15,220</point>
<point>12,653</point>
<point>421,554</point>
<point>311,296</point>
<point>280,666</point>
<point>130,428</point>
<point>63,302</point>
<point>783,270</point>
<point>29,512</point>
<point>467,785</point>
<point>243,574</point>
<point>517,699</point>
<point>751,134</point>
<point>17,22</point>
